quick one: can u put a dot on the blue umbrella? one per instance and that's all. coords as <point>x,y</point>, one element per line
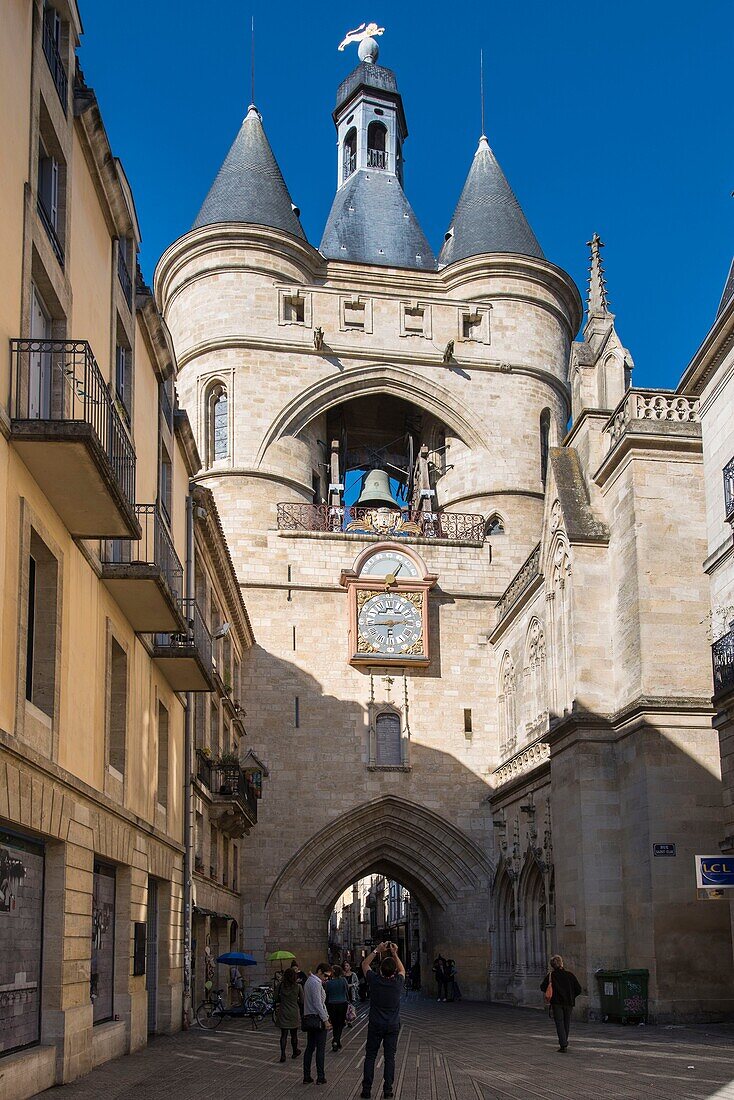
<point>237,958</point>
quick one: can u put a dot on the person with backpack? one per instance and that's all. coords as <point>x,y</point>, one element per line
<point>385,990</point>
<point>561,989</point>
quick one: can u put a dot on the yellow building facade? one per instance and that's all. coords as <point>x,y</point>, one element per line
<point>119,607</point>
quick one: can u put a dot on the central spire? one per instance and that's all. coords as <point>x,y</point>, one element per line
<point>371,220</point>
<point>597,302</point>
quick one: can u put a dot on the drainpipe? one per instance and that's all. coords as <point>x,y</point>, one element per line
<point>188,800</point>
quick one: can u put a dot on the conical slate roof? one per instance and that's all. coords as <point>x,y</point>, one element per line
<point>249,187</point>
<point>372,222</point>
<point>488,217</point>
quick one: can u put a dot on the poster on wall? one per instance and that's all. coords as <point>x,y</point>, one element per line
<point>21,937</point>
<point>102,975</point>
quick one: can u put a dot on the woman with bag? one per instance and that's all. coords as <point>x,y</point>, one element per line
<point>561,989</point>
<point>315,1022</point>
<point>353,992</point>
<point>337,1000</point>
<point>288,1005</point>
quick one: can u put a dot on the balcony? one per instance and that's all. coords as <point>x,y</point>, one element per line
<point>381,522</point>
<point>728,474</point>
<point>55,64</point>
<point>350,164</point>
<point>123,275</point>
<point>233,806</point>
<point>145,575</point>
<point>641,411</point>
<point>67,431</point>
<point>722,656</point>
<point>378,158</point>
<point>185,656</point>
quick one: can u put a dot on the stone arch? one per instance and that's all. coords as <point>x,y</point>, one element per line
<point>505,921</point>
<point>444,870</point>
<point>387,378</point>
<point>536,702</point>
<point>534,907</point>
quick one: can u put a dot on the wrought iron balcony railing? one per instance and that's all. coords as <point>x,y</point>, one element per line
<point>228,781</point>
<point>154,547</point>
<point>456,526</point>
<point>195,636</point>
<point>123,274</point>
<point>378,158</point>
<point>59,380</point>
<point>48,224</point>
<point>728,474</point>
<point>722,656</point>
<point>55,64</point>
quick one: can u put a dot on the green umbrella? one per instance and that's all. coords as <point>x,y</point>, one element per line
<point>280,956</point>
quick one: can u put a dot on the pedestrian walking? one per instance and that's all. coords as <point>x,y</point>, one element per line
<point>561,989</point>
<point>316,1022</point>
<point>352,993</point>
<point>454,977</point>
<point>337,1001</point>
<point>385,988</point>
<point>289,1003</point>
<point>439,970</point>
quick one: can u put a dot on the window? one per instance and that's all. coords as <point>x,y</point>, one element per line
<point>117,705</point>
<point>102,973</point>
<point>235,868</point>
<point>167,399</point>
<point>213,852</point>
<point>162,754</point>
<point>297,713</point>
<point>225,860</point>
<point>123,374</point>
<point>349,154</point>
<point>41,618</point>
<point>467,722</point>
<point>414,320</point>
<point>294,309</point>
<point>52,46</point>
<point>218,423</point>
<point>377,155</point>
<point>388,739</point>
<point>544,443</point>
<point>494,525</point>
<point>214,731</point>
<point>354,315</point>
<point>48,185</point>
<point>471,325</point>
<point>166,487</point>
<point>316,487</point>
<point>21,940</point>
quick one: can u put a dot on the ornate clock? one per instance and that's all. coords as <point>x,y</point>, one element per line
<point>388,605</point>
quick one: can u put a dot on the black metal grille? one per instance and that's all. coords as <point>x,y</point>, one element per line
<point>48,225</point>
<point>195,636</point>
<point>53,57</point>
<point>722,655</point>
<point>59,380</point>
<point>154,547</point>
<point>377,158</point>
<point>728,474</point>
<point>228,781</point>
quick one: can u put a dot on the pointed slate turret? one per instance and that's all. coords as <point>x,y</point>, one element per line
<point>488,217</point>
<point>249,187</point>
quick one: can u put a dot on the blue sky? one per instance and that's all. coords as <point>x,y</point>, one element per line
<point>610,117</point>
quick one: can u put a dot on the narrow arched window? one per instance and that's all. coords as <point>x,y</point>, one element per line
<point>494,525</point>
<point>377,145</point>
<point>349,153</point>
<point>218,423</point>
<point>545,422</point>
<point>388,748</point>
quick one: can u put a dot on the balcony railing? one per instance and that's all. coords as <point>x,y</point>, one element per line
<point>378,158</point>
<point>55,64</point>
<point>59,381</point>
<point>728,473</point>
<point>722,655</point>
<point>195,636</point>
<point>154,547</point>
<point>650,405</point>
<point>350,163</point>
<point>228,781</point>
<point>123,274</point>
<point>526,574</point>
<point>48,225</point>
<point>456,526</point>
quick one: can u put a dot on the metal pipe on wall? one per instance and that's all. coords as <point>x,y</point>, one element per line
<point>188,800</point>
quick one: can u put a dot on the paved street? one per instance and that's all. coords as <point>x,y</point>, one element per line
<point>447,1052</point>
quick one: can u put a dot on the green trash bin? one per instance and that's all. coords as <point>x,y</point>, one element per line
<point>623,994</point>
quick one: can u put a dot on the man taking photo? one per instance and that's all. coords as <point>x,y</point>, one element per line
<point>385,990</point>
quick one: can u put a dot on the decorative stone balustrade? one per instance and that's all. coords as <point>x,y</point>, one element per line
<point>528,758</point>
<point>650,405</point>
<point>524,577</point>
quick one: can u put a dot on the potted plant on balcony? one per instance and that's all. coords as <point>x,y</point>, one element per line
<point>229,762</point>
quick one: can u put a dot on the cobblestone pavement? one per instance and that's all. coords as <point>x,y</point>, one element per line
<point>447,1052</point>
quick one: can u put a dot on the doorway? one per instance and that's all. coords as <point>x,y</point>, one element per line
<point>39,367</point>
<point>151,956</point>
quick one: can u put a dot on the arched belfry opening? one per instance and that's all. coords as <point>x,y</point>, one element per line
<point>378,154</point>
<point>349,154</point>
<point>444,872</point>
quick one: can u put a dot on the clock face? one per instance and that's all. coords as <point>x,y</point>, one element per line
<point>391,623</point>
<point>390,563</point>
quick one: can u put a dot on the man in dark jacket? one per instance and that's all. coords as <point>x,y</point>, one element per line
<point>566,988</point>
<point>386,989</point>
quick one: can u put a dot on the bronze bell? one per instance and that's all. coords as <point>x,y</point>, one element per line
<point>376,491</point>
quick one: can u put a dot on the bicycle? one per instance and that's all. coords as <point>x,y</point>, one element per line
<point>213,1010</point>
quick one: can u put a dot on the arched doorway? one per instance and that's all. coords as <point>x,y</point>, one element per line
<point>445,872</point>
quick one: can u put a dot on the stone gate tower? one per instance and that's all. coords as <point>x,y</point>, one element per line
<point>371,693</point>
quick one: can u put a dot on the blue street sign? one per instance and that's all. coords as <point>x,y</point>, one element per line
<point>715,871</point>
